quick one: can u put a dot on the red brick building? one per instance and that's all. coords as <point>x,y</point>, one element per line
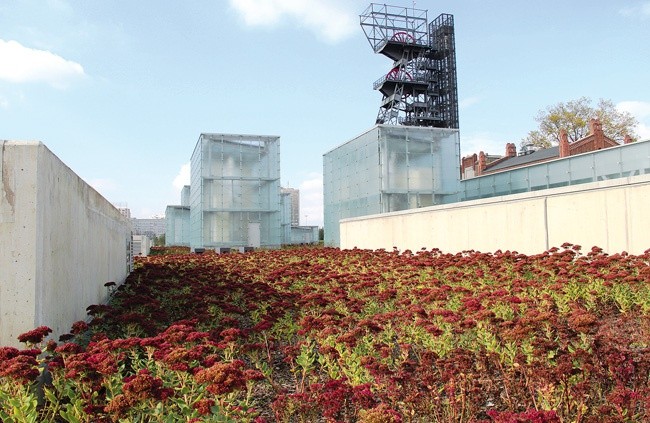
<point>483,164</point>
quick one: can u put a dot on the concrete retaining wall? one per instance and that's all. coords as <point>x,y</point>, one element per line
<point>610,214</point>
<point>60,241</point>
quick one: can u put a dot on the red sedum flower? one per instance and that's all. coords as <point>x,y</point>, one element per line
<point>34,336</point>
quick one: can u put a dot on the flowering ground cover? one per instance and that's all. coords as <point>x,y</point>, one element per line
<point>320,334</point>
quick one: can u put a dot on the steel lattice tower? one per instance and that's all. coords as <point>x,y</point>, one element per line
<point>421,87</point>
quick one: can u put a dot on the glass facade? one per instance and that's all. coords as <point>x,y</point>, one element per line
<point>235,191</point>
<point>389,168</point>
<point>611,163</point>
<point>185,196</point>
<point>178,226</point>
<point>285,213</point>
<point>303,235</point>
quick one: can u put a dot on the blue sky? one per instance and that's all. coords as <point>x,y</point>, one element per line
<point>121,90</point>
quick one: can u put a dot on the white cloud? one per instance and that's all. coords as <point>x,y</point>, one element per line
<point>23,64</point>
<point>60,6</point>
<point>638,109</point>
<point>476,142</point>
<point>467,102</point>
<point>311,200</point>
<point>641,111</point>
<point>641,10</point>
<point>643,131</point>
<point>182,178</point>
<point>332,20</point>
<point>103,185</point>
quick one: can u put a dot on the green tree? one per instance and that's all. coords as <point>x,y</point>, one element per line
<point>573,116</point>
<point>159,241</point>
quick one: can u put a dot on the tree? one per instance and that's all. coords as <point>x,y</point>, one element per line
<point>159,241</point>
<point>574,117</point>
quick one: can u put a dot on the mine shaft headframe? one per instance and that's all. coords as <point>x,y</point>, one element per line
<point>421,87</point>
<point>384,24</point>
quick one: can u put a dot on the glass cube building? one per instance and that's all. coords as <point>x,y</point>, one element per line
<point>185,196</point>
<point>235,192</point>
<point>389,168</point>
<point>177,220</point>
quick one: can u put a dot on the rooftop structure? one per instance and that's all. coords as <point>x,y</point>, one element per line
<point>294,200</point>
<point>234,200</point>
<point>235,191</point>
<point>185,196</point>
<point>178,225</point>
<point>388,168</point>
<point>421,87</point>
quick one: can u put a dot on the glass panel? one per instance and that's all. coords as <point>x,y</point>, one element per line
<point>635,158</point>
<point>581,169</point>
<point>486,186</point>
<point>538,176</point>
<point>501,183</point>
<point>396,165</point>
<point>425,200</point>
<point>558,173</point>
<point>607,164</point>
<point>420,165</point>
<point>471,189</point>
<point>518,180</point>
<point>396,202</point>
<point>351,182</point>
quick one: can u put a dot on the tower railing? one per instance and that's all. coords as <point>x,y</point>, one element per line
<point>381,22</point>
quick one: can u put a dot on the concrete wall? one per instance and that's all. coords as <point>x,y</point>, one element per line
<point>610,214</point>
<point>60,241</point>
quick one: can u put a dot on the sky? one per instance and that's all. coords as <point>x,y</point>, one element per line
<point>120,91</point>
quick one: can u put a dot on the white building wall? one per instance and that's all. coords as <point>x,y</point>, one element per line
<point>60,241</point>
<point>608,214</point>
